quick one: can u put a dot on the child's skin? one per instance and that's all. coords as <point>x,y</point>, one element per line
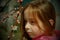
<point>31,25</point>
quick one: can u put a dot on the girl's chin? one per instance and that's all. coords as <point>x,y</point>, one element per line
<point>31,35</point>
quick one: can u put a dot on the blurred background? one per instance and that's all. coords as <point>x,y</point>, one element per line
<point>10,11</point>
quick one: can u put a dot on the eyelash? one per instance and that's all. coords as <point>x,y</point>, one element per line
<point>31,22</point>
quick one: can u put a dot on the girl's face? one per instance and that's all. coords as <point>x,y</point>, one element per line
<point>31,25</point>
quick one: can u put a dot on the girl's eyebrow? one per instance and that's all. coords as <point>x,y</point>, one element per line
<point>29,19</point>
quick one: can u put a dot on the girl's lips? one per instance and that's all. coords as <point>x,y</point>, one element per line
<point>29,32</point>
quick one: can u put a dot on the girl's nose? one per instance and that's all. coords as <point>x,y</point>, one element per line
<point>27,27</point>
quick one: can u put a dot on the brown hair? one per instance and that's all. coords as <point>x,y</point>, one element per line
<point>44,10</point>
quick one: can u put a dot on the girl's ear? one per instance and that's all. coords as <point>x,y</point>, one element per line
<point>51,22</point>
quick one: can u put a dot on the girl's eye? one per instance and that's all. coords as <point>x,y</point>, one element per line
<point>32,22</point>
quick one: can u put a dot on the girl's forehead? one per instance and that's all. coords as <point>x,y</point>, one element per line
<point>28,14</point>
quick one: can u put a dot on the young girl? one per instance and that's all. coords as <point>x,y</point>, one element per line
<point>38,21</point>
